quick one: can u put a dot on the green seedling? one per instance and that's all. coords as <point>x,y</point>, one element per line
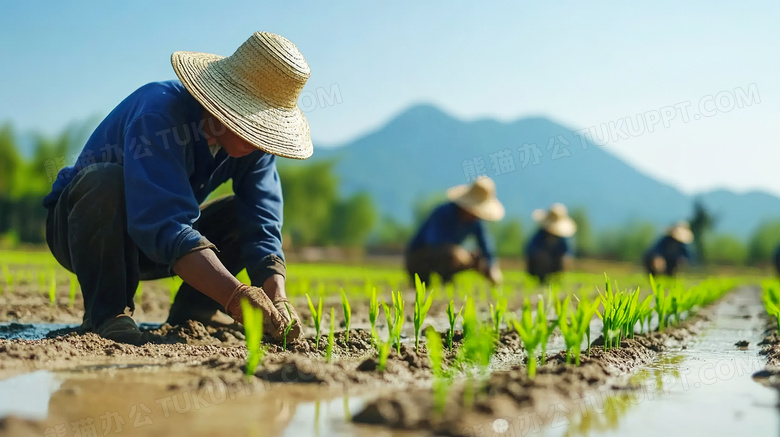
<point>421,307</point>
<point>331,335</point>
<point>452,317</point>
<point>373,314</point>
<point>288,327</point>
<point>771,298</point>
<point>395,321</point>
<point>615,315</point>
<point>531,333</point>
<point>497,315</point>
<point>253,330</point>
<point>440,383</point>
<point>347,313</point>
<point>544,328</point>
<point>52,290</point>
<point>574,326</point>
<point>74,283</point>
<point>316,315</point>
<point>384,352</point>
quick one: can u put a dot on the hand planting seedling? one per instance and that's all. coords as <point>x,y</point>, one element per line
<point>421,307</point>
<point>331,336</point>
<point>316,315</point>
<point>373,314</point>
<point>452,317</point>
<point>288,327</point>
<point>347,314</point>
<point>253,331</point>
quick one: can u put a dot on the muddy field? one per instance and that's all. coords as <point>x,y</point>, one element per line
<point>57,380</point>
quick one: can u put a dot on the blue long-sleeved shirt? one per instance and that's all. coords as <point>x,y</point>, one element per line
<point>670,249</point>
<point>546,242</point>
<point>156,134</point>
<point>444,226</point>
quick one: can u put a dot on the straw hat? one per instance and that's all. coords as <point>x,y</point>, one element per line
<point>254,92</point>
<point>479,199</point>
<point>681,231</point>
<point>556,220</point>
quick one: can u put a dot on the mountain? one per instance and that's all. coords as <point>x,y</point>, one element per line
<point>424,151</point>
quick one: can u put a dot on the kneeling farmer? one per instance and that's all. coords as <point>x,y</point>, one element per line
<point>548,250</point>
<point>664,257</point>
<point>129,209</point>
<point>436,247</point>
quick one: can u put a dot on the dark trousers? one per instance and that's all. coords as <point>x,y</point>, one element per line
<point>542,264</point>
<point>87,233</point>
<point>445,260</point>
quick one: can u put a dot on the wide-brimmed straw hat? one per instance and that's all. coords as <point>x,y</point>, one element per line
<point>681,231</point>
<point>555,220</point>
<point>478,198</point>
<point>253,92</point>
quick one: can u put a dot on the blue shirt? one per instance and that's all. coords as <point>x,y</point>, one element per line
<point>444,226</point>
<point>156,134</point>
<point>670,249</point>
<point>546,243</point>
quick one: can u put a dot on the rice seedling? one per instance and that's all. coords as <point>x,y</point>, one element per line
<point>373,314</point>
<point>574,326</point>
<point>452,317</point>
<point>331,335</point>
<point>663,304</point>
<point>288,327</point>
<point>544,327</point>
<point>316,315</point>
<point>531,333</point>
<point>615,314</point>
<point>52,290</point>
<point>497,315</point>
<point>384,352</point>
<point>436,355</point>
<point>395,320</point>
<point>421,307</point>
<point>771,298</point>
<point>347,314</point>
<point>253,330</point>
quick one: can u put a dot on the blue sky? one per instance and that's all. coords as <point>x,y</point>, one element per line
<point>581,65</point>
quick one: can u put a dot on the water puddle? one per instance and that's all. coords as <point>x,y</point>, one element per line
<point>27,396</point>
<point>705,389</point>
<point>133,400</point>
<point>37,331</point>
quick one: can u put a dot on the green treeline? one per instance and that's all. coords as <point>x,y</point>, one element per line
<point>316,214</point>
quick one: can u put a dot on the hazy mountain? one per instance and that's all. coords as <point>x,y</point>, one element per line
<point>423,151</point>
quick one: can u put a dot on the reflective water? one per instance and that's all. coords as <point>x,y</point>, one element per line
<point>705,389</point>
<point>28,395</point>
<point>37,331</point>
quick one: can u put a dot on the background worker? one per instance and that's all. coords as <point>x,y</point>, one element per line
<point>437,245</point>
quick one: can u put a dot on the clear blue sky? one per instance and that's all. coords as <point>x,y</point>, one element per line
<point>579,64</point>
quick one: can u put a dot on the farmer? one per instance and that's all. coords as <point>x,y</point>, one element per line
<point>436,247</point>
<point>132,207</point>
<point>664,257</point>
<point>548,250</point>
